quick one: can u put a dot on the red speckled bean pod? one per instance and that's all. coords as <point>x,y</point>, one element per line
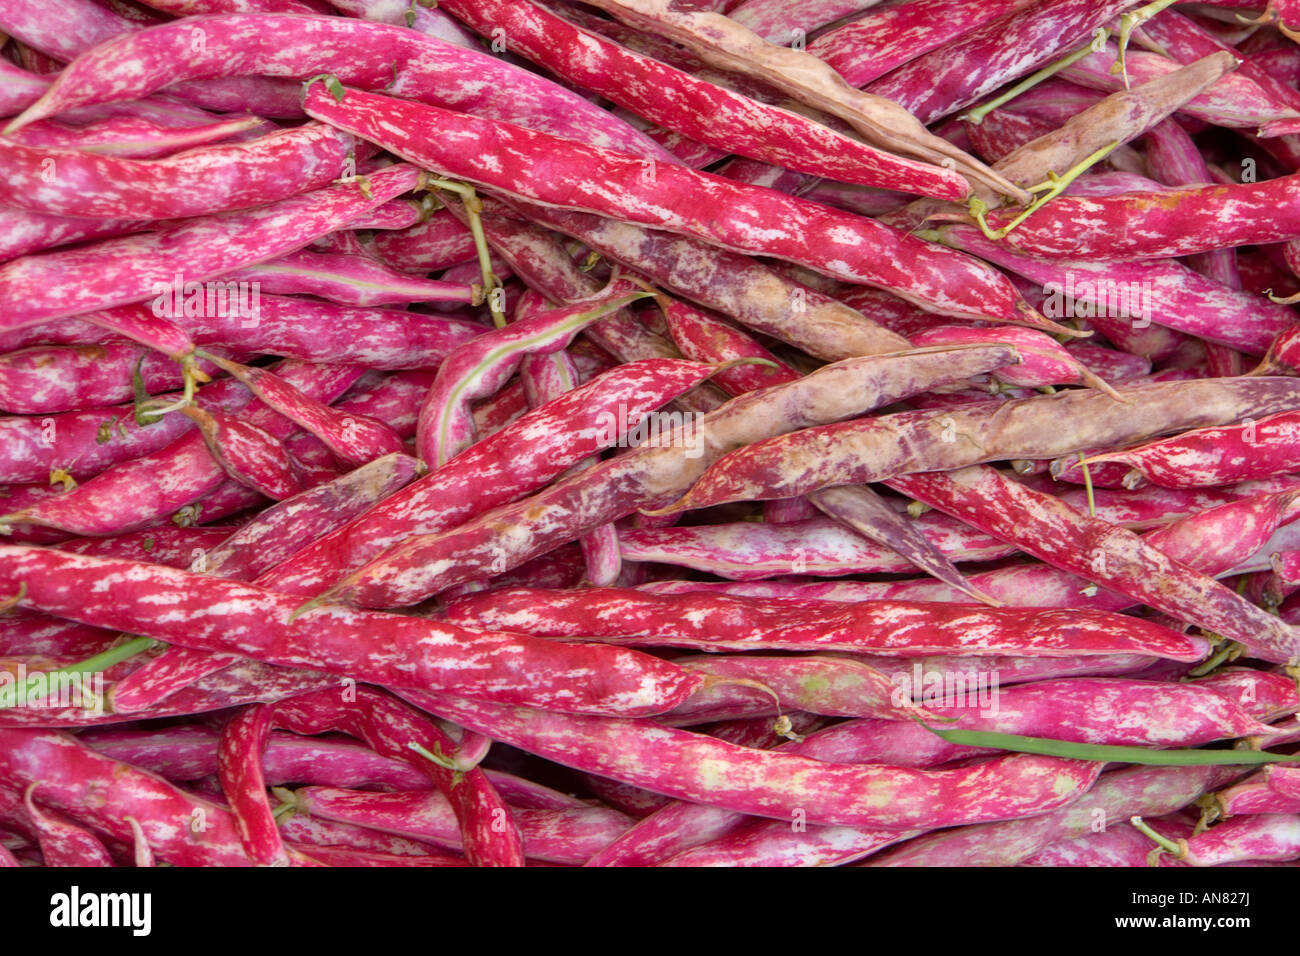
<point>85,24</point>
<point>776,843</point>
<point>273,536</point>
<point>1146,791</point>
<point>1167,294</point>
<point>1253,795</point>
<point>699,109</point>
<point>570,835</point>
<point>671,197</point>
<point>62,842</point>
<point>1218,456</point>
<point>1099,710</point>
<point>281,530</point>
<point>130,269</point>
<point>1179,222</point>
<point>1267,836</point>
<point>182,829</point>
<point>62,378</point>
<point>723,622</point>
<point>434,244</point>
<point>188,752</point>
<point>23,232</point>
<point>210,179</point>
<point>814,685</point>
<point>146,489</point>
<point>1234,101</point>
<point>735,285</point>
<point>702,769</point>
<point>389,727</point>
<point>248,454</point>
<point>232,617</point>
<point>868,48</point>
<point>83,443</point>
<point>747,550</point>
<point>1119,845</point>
<point>1044,361</point>
<point>131,137</point>
<point>316,331</point>
<point>354,439</point>
<point>316,835</point>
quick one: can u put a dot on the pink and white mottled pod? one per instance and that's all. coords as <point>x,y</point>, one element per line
<point>23,232</point>
<point>909,629</point>
<point>752,293</point>
<point>1164,224</point>
<point>199,182</point>
<point>1264,837</point>
<point>354,439</point>
<point>62,842</point>
<point>747,550</point>
<point>704,111</point>
<point>248,454</point>
<point>1235,101</point>
<point>1118,845</point>
<point>958,74</point>
<point>570,835</point>
<point>1267,448</point>
<point>701,769</point>
<point>137,492</point>
<point>131,137</point>
<point>1101,552</point>
<point>438,242</point>
<point>1256,794</point>
<point>1043,360</point>
<point>876,449</point>
<point>182,829</point>
<point>389,727</point>
<point>1166,293</point>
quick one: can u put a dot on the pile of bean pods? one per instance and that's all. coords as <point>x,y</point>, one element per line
<point>649,432</point>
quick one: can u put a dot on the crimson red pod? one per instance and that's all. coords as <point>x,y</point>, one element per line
<point>387,649</point>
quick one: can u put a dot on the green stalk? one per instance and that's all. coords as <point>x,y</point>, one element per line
<point>473,209</point>
<point>99,662</point>
<point>1053,187</point>
<point>1127,24</point>
<point>1097,43</point>
<point>1107,753</point>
